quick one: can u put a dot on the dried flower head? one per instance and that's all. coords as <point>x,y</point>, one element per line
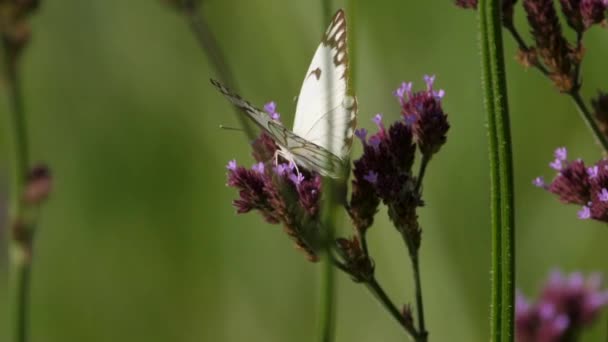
<point>551,46</point>
<point>357,263</point>
<point>38,185</point>
<point>14,27</point>
<point>466,3</point>
<point>582,14</point>
<point>566,304</point>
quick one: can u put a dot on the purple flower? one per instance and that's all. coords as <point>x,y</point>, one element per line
<point>429,80</point>
<point>539,182</point>
<point>593,171</point>
<point>281,169</point>
<point>572,184</point>
<point>584,213</point>
<point>603,195</point>
<point>231,165</point>
<point>361,133</point>
<point>566,304</point>
<point>371,177</point>
<point>378,121</point>
<point>296,178</point>
<point>403,90</point>
<point>556,165</point>
<point>271,109</point>
<point>279,196</point>
<point>374,141</point>
<point>258,167</point>
<point>561,154</point>
<point>424,113</point>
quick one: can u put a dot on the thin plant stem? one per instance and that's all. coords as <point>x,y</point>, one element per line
<point>210,46</point>
<point>19,251</point>
<point>422,333</point>
<point>423,164</point>
<point>503,243</point>
<point>588,118</point>
<point>374,287</point>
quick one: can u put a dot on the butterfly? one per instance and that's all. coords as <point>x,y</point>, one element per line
<point>325,117</point>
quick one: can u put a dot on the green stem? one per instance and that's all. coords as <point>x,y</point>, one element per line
<point>422,333</point>
<point>215,55</point>
<point>588,118</point>
<point>374,287</point>
<point>330,214</point>
<point>502,211</point>
<point>19,252</point>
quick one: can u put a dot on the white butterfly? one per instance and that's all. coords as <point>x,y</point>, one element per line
<point>325,116</point>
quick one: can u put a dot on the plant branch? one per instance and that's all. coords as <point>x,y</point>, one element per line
<point>19,241</point>
<point>422,333</point>
<point>502,211</point>
<point>210,46</point>
<point>374,287</point>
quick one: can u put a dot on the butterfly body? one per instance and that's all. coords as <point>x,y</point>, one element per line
<point>325,117</point>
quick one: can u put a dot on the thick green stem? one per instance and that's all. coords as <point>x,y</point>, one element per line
<point>502,211</point>
<point>19,250</point>
<point>331,213</point>
<point>215,55</point>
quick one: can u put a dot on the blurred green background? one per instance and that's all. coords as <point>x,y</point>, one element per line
<point>139,241</point>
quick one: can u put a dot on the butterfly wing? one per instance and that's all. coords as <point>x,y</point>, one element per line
<point>258,116</point>
<point>305,153</point>
<point>325,114</point>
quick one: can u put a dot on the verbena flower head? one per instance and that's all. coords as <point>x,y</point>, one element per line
<point>575,183</point>
<point>384,172</point>
<point>424,112</point>
<point>567,303</point>
<point>280,193</point>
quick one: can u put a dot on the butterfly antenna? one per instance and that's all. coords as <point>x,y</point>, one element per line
<point>228,128</point>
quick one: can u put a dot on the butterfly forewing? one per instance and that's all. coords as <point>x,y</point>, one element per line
<point>258,116</point>
<point>325,114</point>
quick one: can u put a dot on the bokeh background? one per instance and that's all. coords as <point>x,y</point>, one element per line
<point>139,241</point>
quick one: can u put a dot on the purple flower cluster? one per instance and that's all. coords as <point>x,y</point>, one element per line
<point>384,172</point>
<point>576,183</point>
<point>566,304</point>
<point>280,193</point>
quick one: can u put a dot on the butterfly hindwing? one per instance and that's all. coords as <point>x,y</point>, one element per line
<point>325,114</point>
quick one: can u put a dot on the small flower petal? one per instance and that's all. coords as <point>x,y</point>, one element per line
<point>584,213</point>
<point>539,182</point>
<point>561,153</point>
<point>231,165</point>
<point>258,167</point>
<point>371,177</point>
